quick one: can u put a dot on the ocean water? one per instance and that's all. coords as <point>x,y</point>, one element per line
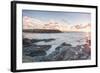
<point>73,38</point>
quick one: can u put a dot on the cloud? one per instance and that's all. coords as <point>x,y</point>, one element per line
<point>33,23</point>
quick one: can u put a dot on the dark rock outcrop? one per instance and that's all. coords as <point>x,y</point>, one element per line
<point>39,40</point>
<point>27,42</point>
<point>67,52</point>
<point>37,53</point>
<point>36,50</point>
<point>63,52</point>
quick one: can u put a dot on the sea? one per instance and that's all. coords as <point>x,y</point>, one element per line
<point>73,38</point>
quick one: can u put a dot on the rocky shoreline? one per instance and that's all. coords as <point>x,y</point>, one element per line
<point>64,52</point>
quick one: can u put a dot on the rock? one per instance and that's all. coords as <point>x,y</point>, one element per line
<point>27,59</point>
<point>70,54</point>
<point>87,48</point>
<point>88,42</point>
<point>65,44</point>
<point>26,42</point>
<point>36,50</point>
<point>37,53</point>
<point>63,52</point>
<point>35,40</point>
<point>67,52</point>
<point>60,52</point>
<point>53,56</point>
<point>48,40</point>
<point>39,40</point>
<point>37,58</point>
<point>41,59</point>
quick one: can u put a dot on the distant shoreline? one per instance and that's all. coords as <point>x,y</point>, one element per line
<point>49,31</point>
<point>41,31</point>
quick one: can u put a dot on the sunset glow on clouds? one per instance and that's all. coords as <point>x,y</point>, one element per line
<point>32,23</point>
<point>63,21</point>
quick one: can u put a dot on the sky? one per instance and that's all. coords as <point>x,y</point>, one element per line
<point>70,18</point>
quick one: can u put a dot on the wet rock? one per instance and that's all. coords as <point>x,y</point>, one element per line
<point>83,57</point>
<point>70,54</point>
<point>48,40</point>
<point>26,42</point>
<point>37,58</point>
<point>39,40</point>
<point>65,44</point>
<point>63,52</point>
<point>60,52</point>
<point>87,48</point>
<point>67,52</point>
<point>27,59</point>
<point>37,53</point>
<point>53,56</point>
<point>36,50</point>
